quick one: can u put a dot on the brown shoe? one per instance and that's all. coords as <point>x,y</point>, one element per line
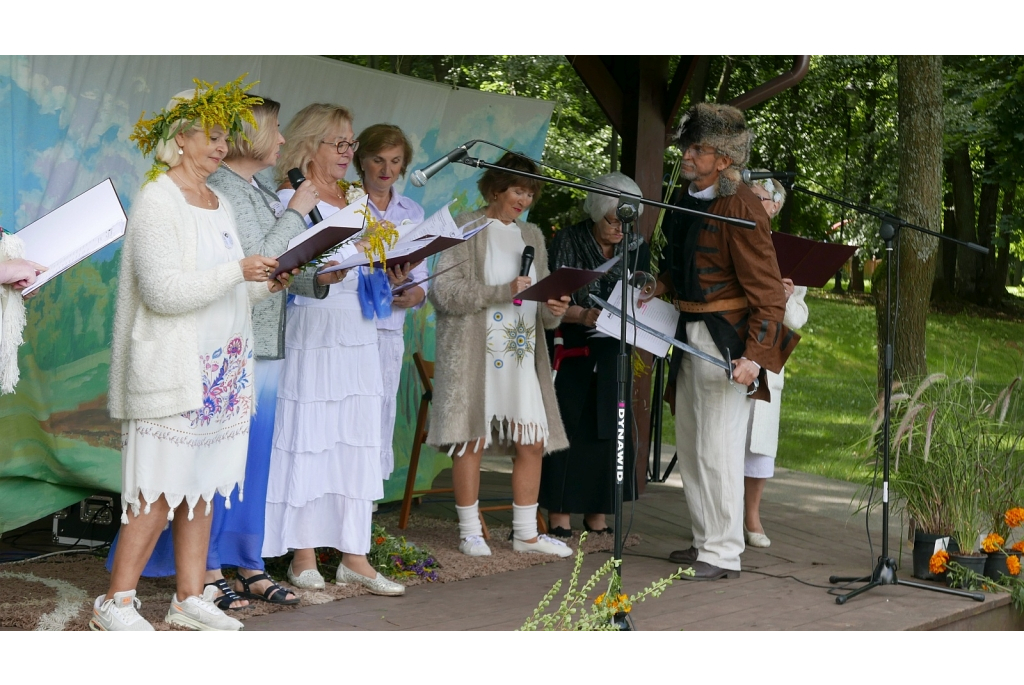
<point>705,571</point>
<point>683,556</point>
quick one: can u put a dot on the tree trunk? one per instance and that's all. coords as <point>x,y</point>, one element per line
<point>919,201</point>
<point>786,215</point>
<point>963,205</point>
<point>437,62</point>
<point>988,205</point>
<point>945,267</point>
<point>723,84</point>
<point>856,274</point>
<point>998,284</point>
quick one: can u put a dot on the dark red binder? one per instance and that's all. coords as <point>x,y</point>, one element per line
<point>808,262</point>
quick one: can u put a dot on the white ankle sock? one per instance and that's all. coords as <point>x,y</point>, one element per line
<point>524,521</point>
<point>469,520</point>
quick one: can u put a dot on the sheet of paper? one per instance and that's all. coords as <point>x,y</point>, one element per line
<point>658,314</point>
<point>343,217</point>
<point>440,223</point>
<point>73,231</point>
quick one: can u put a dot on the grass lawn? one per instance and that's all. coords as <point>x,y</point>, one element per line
<point>830,379</point>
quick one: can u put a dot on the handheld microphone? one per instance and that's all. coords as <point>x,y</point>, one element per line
<point>297,179</point>
<point>749,175</point>
<point>524,268</point>
<point>421,176</point>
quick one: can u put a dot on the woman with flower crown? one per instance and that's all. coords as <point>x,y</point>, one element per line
<point>181,367</point>
<point>325,466</point>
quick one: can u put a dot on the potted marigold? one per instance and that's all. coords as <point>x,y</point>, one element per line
<point>1004,560</point>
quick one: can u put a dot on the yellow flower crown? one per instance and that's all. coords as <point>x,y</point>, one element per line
<point>227,106</point>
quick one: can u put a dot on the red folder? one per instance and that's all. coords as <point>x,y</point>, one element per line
<point>808,262</point>
<point>564,281</point>
<point>308,250</point>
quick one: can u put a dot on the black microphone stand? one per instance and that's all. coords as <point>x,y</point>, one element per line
<point>884,572</point>
<point>627,212</point>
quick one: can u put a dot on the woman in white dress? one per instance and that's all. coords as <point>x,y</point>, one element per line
<point>483,333</point>
<point>325,468</point>
<point>384,155</point>
<point>763,424</point>
<point>181,360</point>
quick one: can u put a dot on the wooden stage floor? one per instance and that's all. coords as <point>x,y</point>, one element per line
<point>814,535</point>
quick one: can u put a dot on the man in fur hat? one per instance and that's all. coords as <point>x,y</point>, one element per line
<point>726,284</point>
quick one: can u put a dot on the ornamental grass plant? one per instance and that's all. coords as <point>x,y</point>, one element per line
<point>957,463</point>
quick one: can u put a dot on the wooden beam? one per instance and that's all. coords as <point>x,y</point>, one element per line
<point>600,82</point>
<point>778,84</point>
<point>678,87</point>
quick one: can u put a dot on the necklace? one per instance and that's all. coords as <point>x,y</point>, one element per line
<point>196,193</point>
<point>228,167</point>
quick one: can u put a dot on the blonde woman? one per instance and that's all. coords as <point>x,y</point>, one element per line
<point>325,469</point>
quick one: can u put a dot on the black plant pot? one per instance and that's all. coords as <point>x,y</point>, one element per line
<point>995,565</point>
<point>924,547</point>
<point>975,563</point>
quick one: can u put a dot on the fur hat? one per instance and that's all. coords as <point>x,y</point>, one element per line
<point>723,128</point>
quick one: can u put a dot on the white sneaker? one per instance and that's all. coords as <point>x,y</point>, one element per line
<point>200,613</point>
<point>544,545</point>
<point>310,579</point>
<point>119,613</point>
<point>475,546</point>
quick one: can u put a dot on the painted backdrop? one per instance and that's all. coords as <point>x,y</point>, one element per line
<point>64,126</point>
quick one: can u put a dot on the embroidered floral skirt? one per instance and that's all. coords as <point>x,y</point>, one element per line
<point>195,454</point>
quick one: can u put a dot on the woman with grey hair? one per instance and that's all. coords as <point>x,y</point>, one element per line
<point>581,478</point>
<point>763,425</point>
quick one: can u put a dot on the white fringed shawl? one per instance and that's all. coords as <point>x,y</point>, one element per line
<point>12,318</point>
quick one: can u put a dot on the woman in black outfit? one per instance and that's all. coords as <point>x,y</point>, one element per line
<point>581,479</point>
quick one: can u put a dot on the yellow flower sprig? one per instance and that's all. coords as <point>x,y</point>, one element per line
<point>1013,565</point>
<point>619,604</point>
<point>382,236</point>
<point>227,106</point>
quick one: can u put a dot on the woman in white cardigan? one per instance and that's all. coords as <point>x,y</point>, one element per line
<point>763,424</point>
<point>181,361</point>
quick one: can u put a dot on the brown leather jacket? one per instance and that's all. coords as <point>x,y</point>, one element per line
<point>727,262</point>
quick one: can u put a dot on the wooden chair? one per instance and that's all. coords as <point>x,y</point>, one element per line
<point>426,373</point>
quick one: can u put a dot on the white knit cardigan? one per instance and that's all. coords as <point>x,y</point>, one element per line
<point>154,359</point>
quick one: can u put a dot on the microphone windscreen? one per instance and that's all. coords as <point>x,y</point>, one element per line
<point>296,177</point>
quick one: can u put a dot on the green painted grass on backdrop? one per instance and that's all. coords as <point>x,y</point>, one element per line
<point>830,380</point>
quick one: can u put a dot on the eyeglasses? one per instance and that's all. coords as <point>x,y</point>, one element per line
<point>699,150</point>
<point>343,146</point>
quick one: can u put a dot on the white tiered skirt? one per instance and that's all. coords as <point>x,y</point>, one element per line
<point>325,467</point>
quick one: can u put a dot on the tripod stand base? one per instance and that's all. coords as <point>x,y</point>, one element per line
<point>885,574</point>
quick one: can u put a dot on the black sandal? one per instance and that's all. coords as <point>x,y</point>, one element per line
<point>274,594</point>
<point>228,596</point>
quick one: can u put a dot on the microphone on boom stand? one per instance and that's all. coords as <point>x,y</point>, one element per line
<point>421,176</point>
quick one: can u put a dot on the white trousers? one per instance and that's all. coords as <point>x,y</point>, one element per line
<point>711,431</point>
<point>391,345</point>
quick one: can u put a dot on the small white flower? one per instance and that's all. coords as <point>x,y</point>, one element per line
<point>353,193</point>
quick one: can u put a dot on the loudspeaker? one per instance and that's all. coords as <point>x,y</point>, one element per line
<point>93,522</point>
